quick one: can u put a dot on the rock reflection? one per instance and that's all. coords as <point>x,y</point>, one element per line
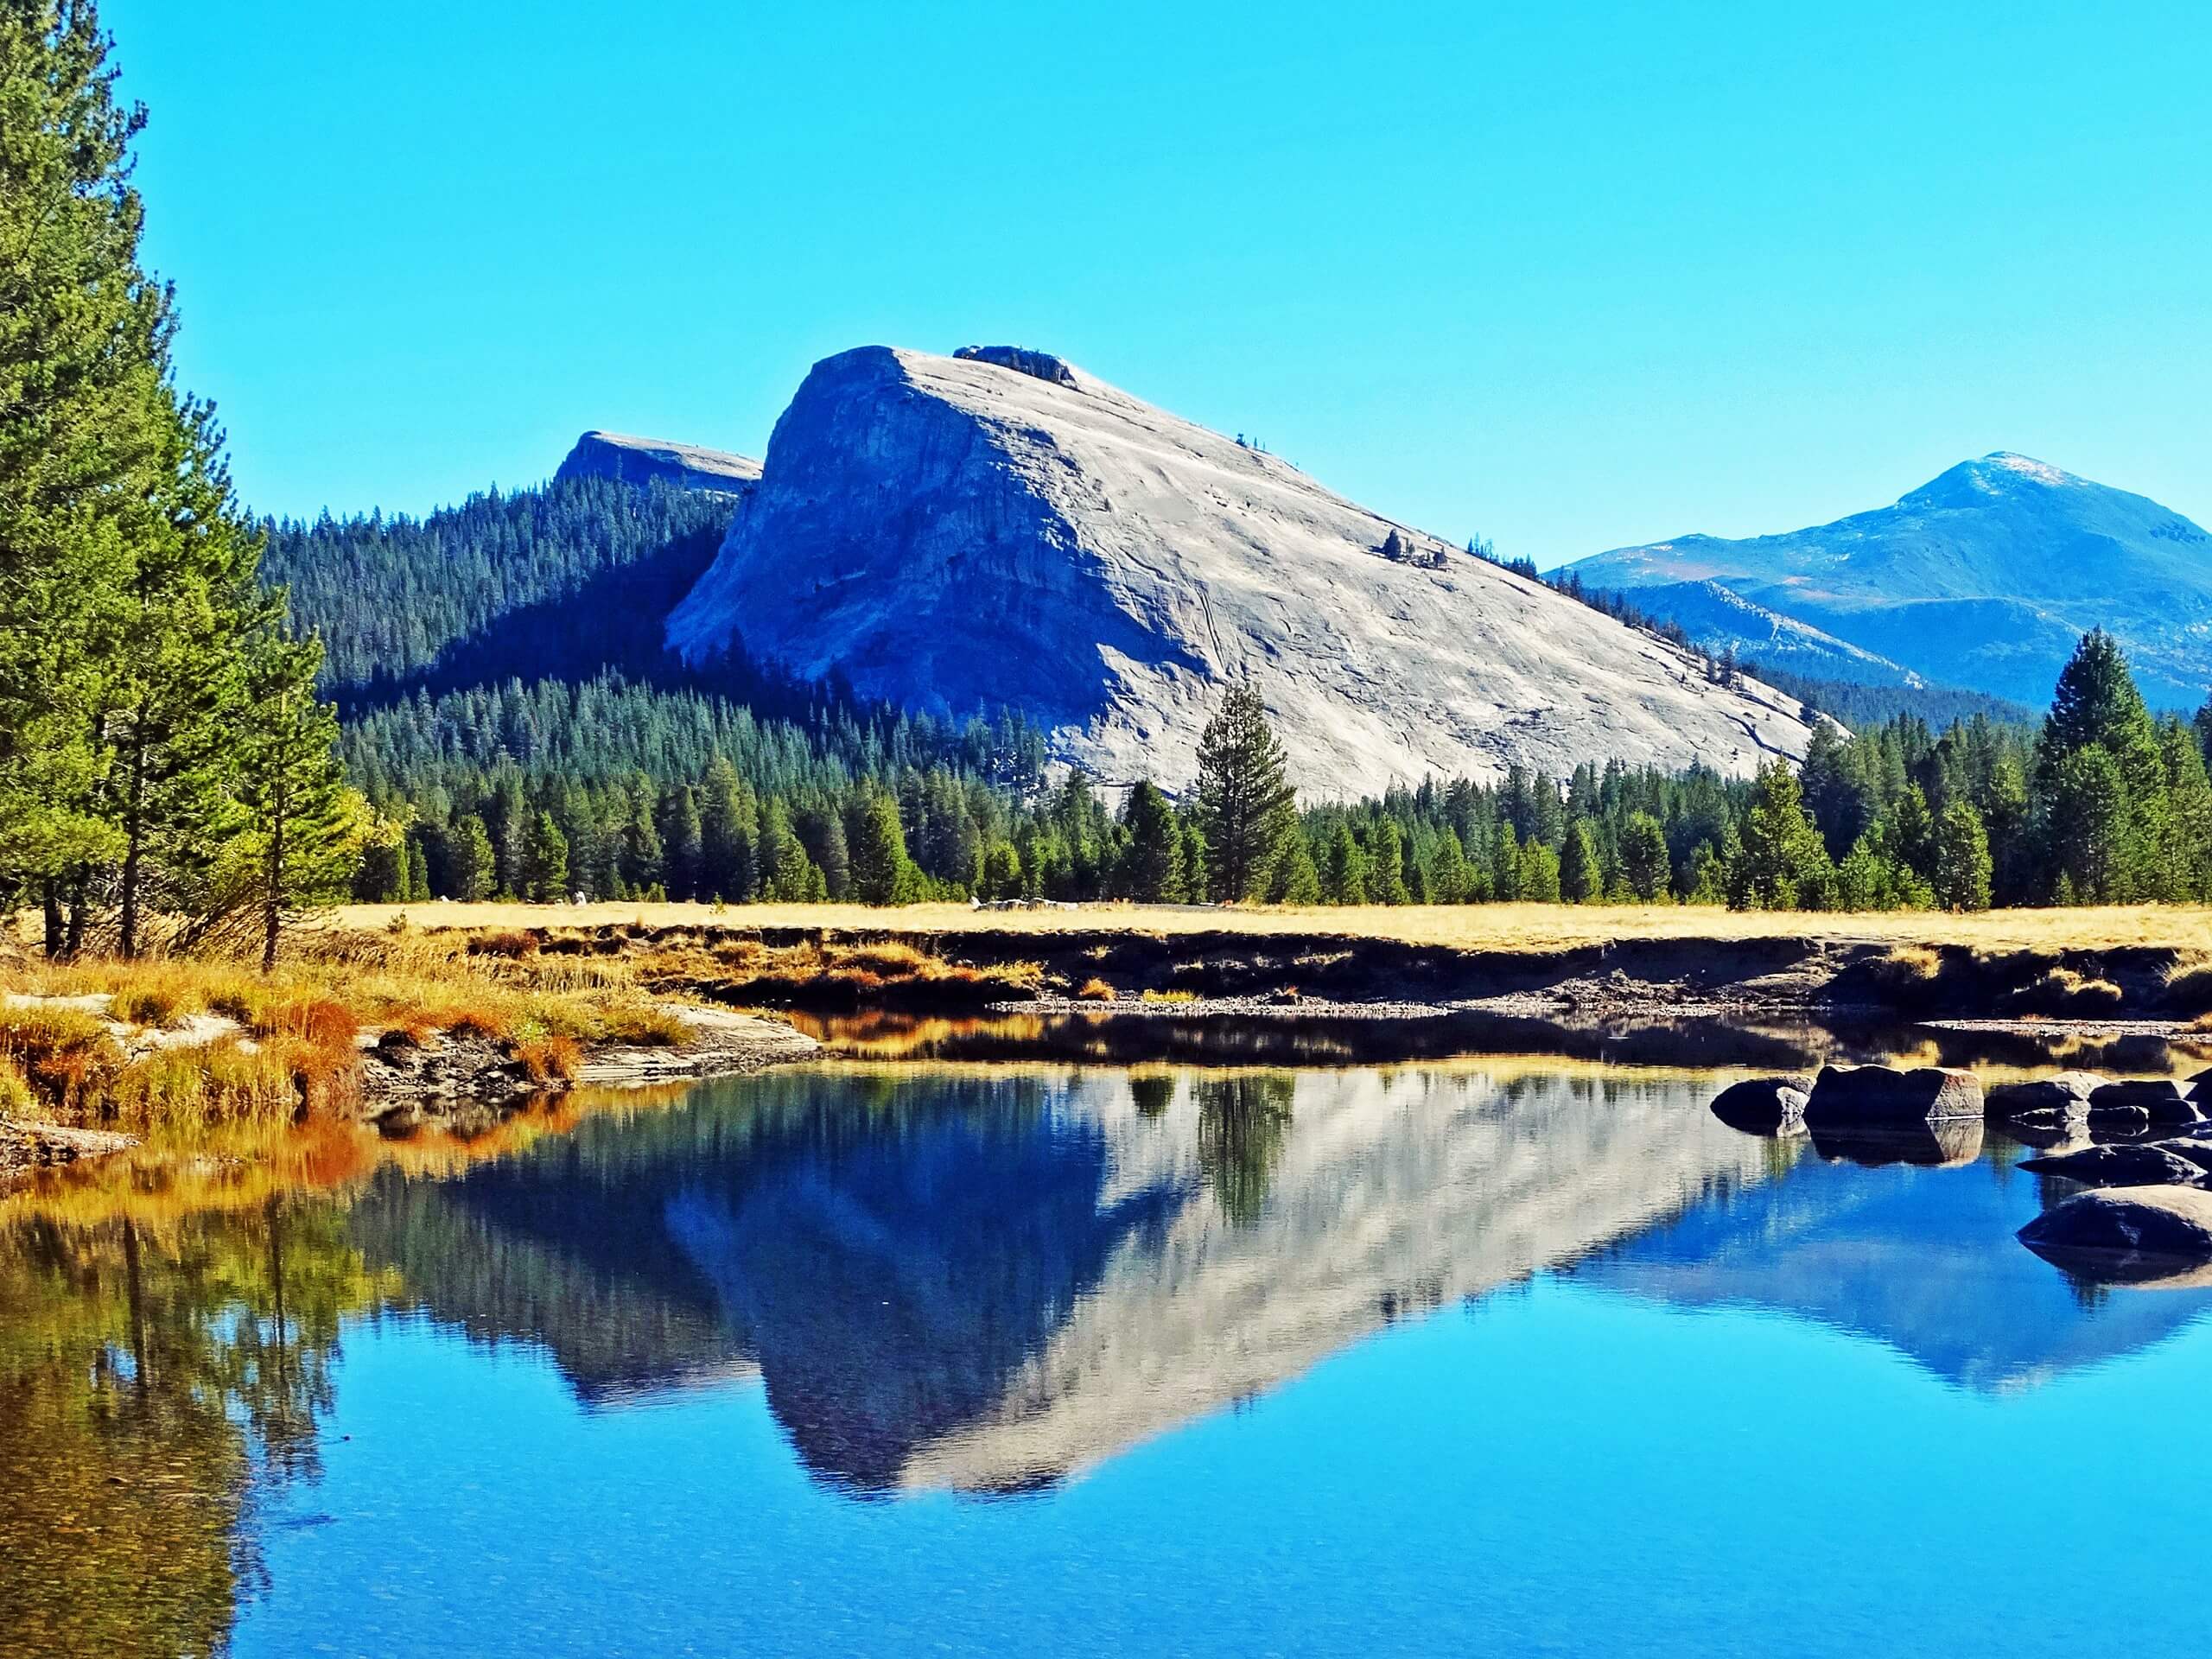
<point>987,1281</point>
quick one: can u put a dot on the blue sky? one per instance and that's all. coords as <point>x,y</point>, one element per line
<point>1569,276</point>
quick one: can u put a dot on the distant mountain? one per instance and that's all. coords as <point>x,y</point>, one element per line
<point>1986,577</point>
<point>999,529</point>
<point>648,460</point>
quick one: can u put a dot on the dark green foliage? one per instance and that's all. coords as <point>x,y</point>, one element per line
<point>562,581</point>
<point>1245,797</point>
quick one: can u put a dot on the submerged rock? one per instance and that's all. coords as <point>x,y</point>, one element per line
<point>2165,1101</point>
<point>1882,1096</point>
<point>2137,1165</point>
<point>2196,1148</point>
<point>2126,1234</point>
<point>2067,1093</point>
<point>1765,1105</point>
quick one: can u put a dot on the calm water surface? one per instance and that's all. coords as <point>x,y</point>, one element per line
<point>1512,1357</point>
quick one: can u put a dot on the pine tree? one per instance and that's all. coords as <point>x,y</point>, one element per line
<point>470,872</point>
<point>882,874</point>
<point>1386,866</point>
<point>728,824</point>
<point>2090,835</point>
<point>822,832</point>
<point>1646,866</point>
<point>545,862</point>
<point>1245,797</point>
<point>1784,864</point>
<point>83,409</point>
<point>1580,881</point>
<point>1536,881</point>
<point>1151,865</point>
<point>1343,869</point>
<point>1294,880</point>
<point>1959,878</point>
<point>302,826</point>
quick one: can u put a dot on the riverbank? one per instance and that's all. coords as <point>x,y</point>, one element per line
<point>2138,964</point>
<point>391,1029</point>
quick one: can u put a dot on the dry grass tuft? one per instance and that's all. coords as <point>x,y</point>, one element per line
<point>2064,992</point>
<point>1178,998</point>
<point>1096,990</point>
<point>554,1058</point>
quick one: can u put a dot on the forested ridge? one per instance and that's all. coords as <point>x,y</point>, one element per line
<point>557,581</point>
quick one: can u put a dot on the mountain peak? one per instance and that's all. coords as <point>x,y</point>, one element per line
<point>2002,472</point>
<point>999,528</point>
<point>640,461</point>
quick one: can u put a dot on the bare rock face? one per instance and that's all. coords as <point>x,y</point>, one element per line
<point>1001,529</point>
<point>643,461</point>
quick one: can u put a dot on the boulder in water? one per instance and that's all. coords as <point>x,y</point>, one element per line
<point>2141,1165</point>
<point>1883,1097</point>
<point>2195,1148</point>
<point>2164,1100</point>
<point>2067,1093</point>
<point>1765,1105</point>
<point>2126,1234</point>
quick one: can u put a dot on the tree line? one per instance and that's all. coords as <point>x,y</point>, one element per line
<point>162,751</point>
<point>2103,802</point>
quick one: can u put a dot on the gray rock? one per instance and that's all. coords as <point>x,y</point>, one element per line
<point>1882,1096</point>
<point>2141,1165</point>
<point>1765,1105</point>
<point>2126,1233</point>
<point>646,461</point>
<point>1004,529</point>
<point>1037,365</point>
<point>2163,1100</point>
<point>2066,1093</point>
<point>2196,1148</point>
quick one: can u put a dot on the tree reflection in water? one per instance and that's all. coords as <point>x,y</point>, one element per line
<point>153,1381</point>
<point>1242,1121</point>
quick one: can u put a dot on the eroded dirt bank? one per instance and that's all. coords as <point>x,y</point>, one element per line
<point>1233,971</point>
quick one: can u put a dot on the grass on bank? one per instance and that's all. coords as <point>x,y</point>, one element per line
<point>287,1045</point>
<point>1482,927</point>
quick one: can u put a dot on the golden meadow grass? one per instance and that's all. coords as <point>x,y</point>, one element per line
<point>1485,927</point>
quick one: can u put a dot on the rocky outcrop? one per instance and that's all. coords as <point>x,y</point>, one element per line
<point>2125,1233</point>
<point>2141,1165</point>
<point>646,461</point>
<point>1002,529</point>
<point>2196,1148</point>
<point>1860,1097</point>
<point>1765,1105</point>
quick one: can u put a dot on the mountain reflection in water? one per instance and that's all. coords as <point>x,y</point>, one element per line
<point>969,1280</point>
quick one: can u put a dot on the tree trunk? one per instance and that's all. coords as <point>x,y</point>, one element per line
<point>50,901</point>
<point>77,907</point>
<point>272,915</point>
<point>134,829</point>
